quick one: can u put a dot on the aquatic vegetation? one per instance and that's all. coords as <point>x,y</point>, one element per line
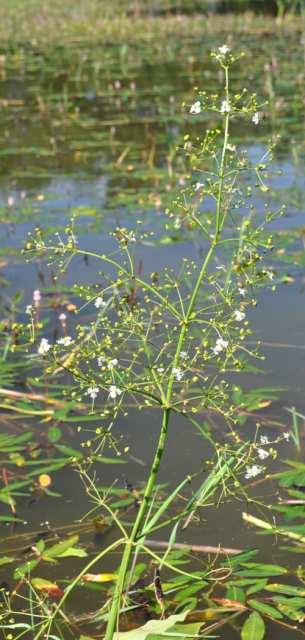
<point>168,341</point>
<point>106,143</point>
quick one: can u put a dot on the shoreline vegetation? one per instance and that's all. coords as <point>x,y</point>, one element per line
<point>44,24</point>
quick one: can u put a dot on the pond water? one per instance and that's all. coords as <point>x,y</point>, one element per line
<point>93,132</point>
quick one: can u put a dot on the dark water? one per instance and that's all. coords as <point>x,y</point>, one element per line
<point>94,132</point>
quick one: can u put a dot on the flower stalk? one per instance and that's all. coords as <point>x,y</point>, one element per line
<point>135,535</point>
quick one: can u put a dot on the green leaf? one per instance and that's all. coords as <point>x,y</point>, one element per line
<point>295,602</point>
<point>152,627</point>
<point>164,506</point>
<point>17,625</point>
<point>25,568</point>
<point>253,628</point>
<point>285,589</point>
<point>122,503</point>
<point>266,609</point>
<point>69,451</point>
<point>6,560</point>
<point>236,593</point>
<point>260,570</point>
<point>258,586</point>
<point>60,548</point>
<point>180,632</point>
<point>106,460</point>
<point>10,519</point>
<point>54,434</point>
<point>290,612</point>
<point>188,591</point>
<point>240,557</point>
<point>73,552</point>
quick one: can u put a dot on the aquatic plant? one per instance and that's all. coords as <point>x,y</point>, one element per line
<point>170,340</point>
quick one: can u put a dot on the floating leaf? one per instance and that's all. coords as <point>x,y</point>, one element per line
<point>10,518</point>
<point>239,558</point>
<point>231,604</point>
<point>59,548</point>
<point>258,586</point>
<point>6,560</point>
<point>73,552</point>
<point>295,602</point>
<point>51,588</point>
<point>25,568</point>
<point>99,577</point>
<point>285,589</point>
<point>258,570</point>
<point>266,609</point>
<point>253,628</point>
<point>54,434</point>
<point>236,593</point>
<point>158,627</point>
<point>290,612</point>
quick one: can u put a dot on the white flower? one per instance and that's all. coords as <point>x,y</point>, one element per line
<point>225,107</point>
<point>264,440</point>
<point>224,49</point>
<point>160,369</point>
<point>256,118</point>
<point>231,147</point>
<point>252,472</point>
<point>220,346</point>
<point>270,275</point>
<point>62,317</point>
<point>183,355</point>
<point>241,291</point>
<point>99,302</point>
<point>65,341</point>
<point>286,436</point>
<point>11,201</point>
<point>196,107</point>
<point>44,347</point>
<point>36,297</point>
<point>112,363</point>
<point>100,361</point>
<point>114,391</point>
<point>29,309</point>
<point>198,186</point>
<point>239,315</point>
<point>92,392</point>
<point>178,373</point>
<point>262,454</point>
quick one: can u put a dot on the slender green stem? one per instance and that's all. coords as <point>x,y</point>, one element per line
<point>219,220</point>
<point>151,482</point>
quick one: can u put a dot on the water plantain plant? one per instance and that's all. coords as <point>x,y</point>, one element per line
<point>172,341</point>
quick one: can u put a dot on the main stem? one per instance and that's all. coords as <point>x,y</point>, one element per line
<point>151,482</point>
